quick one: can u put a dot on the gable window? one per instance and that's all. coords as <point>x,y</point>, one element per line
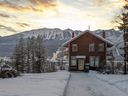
<point>74,47</point>
<point>91,47</point>
<point>101,47</point>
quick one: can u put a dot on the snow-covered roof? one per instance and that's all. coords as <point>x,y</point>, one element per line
<point>101,38</point>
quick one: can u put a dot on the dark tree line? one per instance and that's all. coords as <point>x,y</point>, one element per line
<point>30,55</point>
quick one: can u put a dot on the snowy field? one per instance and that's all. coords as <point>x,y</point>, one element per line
<point>119,81</point>
<point>44,84</point>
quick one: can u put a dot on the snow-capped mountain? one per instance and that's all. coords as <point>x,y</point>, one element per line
<point>53,38</point>
<point>49,34</point>
<point>110,35</point>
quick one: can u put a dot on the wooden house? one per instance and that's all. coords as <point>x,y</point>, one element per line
<point>86,49</point>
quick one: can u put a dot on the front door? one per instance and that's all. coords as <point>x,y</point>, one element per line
<point>81,64</point>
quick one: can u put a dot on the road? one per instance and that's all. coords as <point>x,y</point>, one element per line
<point>83,84</point>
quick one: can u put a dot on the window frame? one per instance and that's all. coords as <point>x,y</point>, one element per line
<point>94,61</point>
<point>73,58</point>
<point>74,47</point>
<point>101,47</point>
<point>91,47</point>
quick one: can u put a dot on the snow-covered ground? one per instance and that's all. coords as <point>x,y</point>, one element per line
<point>44,84</point>
<point>119,81</point>
<point>53,84</point>
<point>94,84</point>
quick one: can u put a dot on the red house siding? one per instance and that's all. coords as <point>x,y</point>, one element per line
<point>83,49</point>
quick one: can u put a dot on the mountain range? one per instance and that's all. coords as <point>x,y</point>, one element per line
<point>53,38</point>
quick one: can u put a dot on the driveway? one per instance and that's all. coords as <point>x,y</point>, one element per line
<point>83,84</point>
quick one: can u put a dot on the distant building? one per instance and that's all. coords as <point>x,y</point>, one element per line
<point>87,48</point>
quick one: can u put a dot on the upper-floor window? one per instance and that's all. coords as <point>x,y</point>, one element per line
<point>91,47</point>
<point>101,47</point>
<point>74,47</point>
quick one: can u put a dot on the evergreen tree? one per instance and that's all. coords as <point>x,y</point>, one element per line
<point>30,55</point>
<point>40,56</point>
<point>123,26</point>
<point>19,56</point>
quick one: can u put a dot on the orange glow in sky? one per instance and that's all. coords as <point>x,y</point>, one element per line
<point>20,15</point>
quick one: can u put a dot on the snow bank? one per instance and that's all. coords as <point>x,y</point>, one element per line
<point>119,81</point>
<point>44,84</point>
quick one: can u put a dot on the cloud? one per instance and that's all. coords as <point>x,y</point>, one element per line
<point>7,28</point>
<point>99,2</point>
<point>32,14</point>
<point>108,2</point>
<point>23,25</point>
<point>44,2</point>
<point>27,5</point>
<point>4,15</point>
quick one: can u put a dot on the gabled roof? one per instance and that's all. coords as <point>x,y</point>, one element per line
<point>97,36</point>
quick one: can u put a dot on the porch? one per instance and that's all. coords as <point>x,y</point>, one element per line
<point>84,63</point>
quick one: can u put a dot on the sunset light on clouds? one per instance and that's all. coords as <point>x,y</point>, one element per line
<point>20,15</point>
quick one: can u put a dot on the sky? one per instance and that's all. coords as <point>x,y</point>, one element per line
<point>21,15</point>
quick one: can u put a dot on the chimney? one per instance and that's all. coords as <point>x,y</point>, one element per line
<point>73,34</point>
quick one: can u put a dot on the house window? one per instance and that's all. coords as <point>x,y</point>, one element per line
<point>127,44</point>
<point>91,47</point>
<point>101,47</point>
<point>97,59</point>
<point>73,61</point>
<point>94,61</point>
<point>74,47</point>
